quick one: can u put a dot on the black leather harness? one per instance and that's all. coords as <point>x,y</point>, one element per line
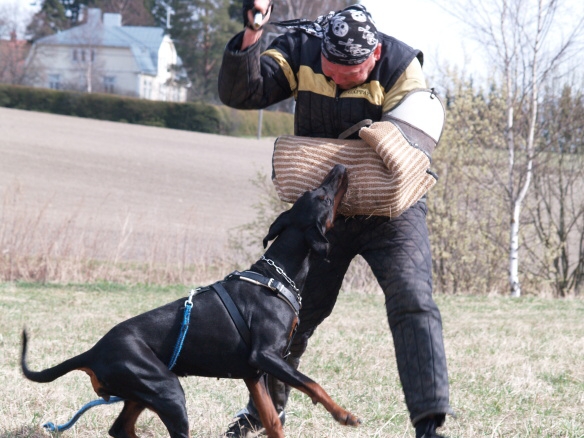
<point>294,300</point>
<point>258,279</point>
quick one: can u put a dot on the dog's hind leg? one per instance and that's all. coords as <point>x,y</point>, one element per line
<point>147,382</point>
<point>125,424</point>
<point>171,406</point>
<point>168,402</point>
<point>265,406</point>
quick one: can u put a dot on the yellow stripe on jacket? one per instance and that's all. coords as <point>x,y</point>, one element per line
<point>412,78</point>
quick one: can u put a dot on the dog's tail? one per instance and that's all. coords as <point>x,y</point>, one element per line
<point>49,374</point>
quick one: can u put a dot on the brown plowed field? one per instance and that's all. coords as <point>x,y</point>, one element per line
<point>119,180</point>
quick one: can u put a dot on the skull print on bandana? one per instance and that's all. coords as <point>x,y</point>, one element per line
<point>349,36</point>
<point>339,27</point>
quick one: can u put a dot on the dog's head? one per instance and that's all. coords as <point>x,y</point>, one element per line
<point>314,212</point>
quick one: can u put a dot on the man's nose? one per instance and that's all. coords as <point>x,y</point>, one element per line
<point>338,79</point>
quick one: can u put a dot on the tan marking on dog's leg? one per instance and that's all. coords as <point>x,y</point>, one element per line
<point>293,329</point>
<point>265,407</point>
<point>125,424</point>
<point>97,386</point>
<point>134,411</point>
<point>319,395</point>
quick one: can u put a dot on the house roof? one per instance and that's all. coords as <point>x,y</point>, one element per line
<point>144,42</point>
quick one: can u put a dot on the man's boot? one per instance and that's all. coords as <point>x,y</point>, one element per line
<point>426,428</point>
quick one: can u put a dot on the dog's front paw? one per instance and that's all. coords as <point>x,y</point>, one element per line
<point>351,420</point>
<point>348,419</point>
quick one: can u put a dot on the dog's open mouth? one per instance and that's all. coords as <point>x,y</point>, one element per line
<point>337,177</point>
<point>338,180</point>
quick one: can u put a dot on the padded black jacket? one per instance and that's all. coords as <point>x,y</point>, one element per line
<point>291,66</point>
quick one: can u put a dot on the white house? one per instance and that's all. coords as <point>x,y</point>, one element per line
<point>104,56</point>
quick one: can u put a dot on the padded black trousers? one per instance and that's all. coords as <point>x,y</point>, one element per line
<point>398,252</point>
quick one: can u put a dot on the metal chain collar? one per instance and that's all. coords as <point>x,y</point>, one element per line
<point>281,272</point>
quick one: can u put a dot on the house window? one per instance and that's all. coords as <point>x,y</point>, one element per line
<point>109,83</point>
<point>83,55</point>
<point>147,89</point>
<point>55,82</point>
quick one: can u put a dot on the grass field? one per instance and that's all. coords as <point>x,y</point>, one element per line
<point>516,366</point>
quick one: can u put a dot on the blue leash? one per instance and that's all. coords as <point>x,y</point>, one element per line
<point>183,330</point>
<point>51,427</point>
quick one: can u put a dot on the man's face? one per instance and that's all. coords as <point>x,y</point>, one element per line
<point>350,76</point>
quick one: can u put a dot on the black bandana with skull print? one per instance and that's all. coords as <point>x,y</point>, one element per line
<point>349,36</point>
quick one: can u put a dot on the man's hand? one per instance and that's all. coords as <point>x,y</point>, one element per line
<point>252,9</point>
<point>256,13</point>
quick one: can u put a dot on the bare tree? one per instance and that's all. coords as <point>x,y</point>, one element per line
<point>465,239</point>
<point>2,23</point>
<point>86,61</point>
<point>557,210</point>
<point>517,38</point>
<point>84,66</point>
<point>293,9</point>
<point>13,50</point>
<point>9,19</point>
<point>309,9</point>
<point>12,60</point>
<point>134,12</point>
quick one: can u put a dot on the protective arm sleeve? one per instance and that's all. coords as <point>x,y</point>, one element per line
<point>412,78</point>
<point>248,80</point>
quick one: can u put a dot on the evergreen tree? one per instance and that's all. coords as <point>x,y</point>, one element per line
<point>162,11</point>
<point>134,12</point>
<point>58,15</point>
<point>200,29</point>
<point>50,19</point>
<point>73,10</point>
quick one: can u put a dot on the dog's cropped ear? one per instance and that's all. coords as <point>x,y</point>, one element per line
<point>276,228</point>
<point>317,241</point>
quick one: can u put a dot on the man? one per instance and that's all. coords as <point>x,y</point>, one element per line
<point>341,71</point>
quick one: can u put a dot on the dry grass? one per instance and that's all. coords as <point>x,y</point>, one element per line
<point>79,249</point>
<point>516,366</point>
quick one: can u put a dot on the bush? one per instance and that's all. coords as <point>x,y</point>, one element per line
<point>245,123</point>
<point>190,116</point>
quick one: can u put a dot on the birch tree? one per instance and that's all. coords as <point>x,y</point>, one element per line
<point>526,42</point>
<point>86,57</point>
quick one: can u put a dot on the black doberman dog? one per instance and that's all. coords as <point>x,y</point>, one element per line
<point>131,360</point>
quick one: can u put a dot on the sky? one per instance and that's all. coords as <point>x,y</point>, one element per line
<point>17,8</point>
<point>427,27</point>
<point>445,39</point>
<point>25,5</point>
